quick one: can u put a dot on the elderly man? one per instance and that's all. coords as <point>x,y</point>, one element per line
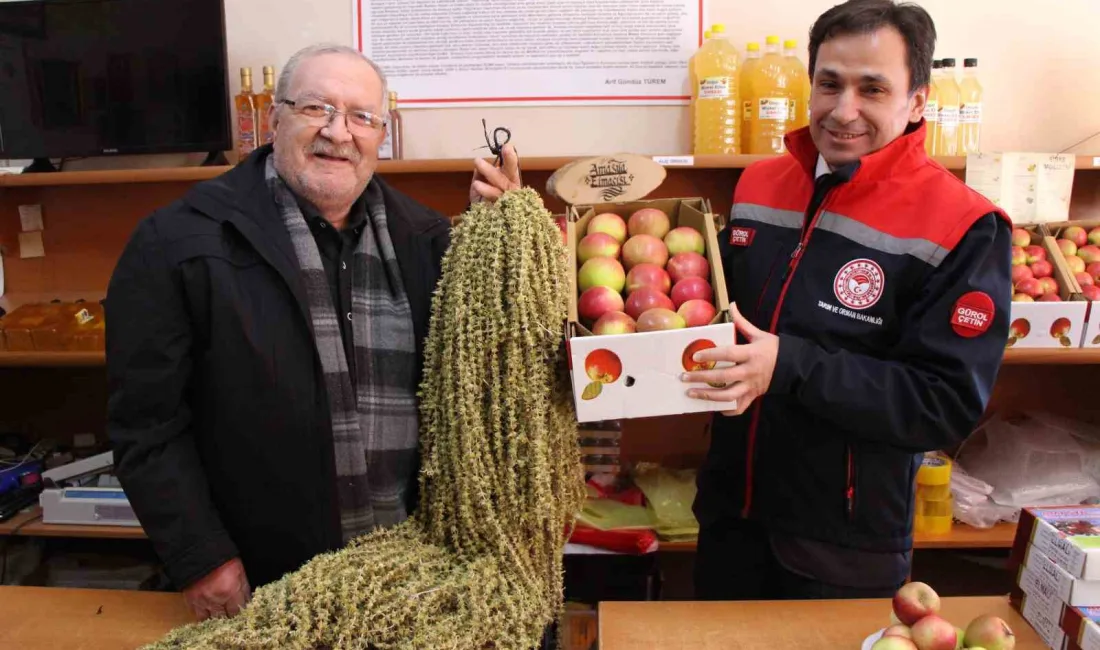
<point>264,343</point>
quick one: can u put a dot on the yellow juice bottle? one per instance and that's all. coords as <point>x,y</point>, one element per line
<point>716,97</point>
<point>694,75</point>
<point>748,97</point>
<point>932,111</point>
<point>773,91</point>
<point>800,108</point>
<point>970,109</point>
<point>948,142</point>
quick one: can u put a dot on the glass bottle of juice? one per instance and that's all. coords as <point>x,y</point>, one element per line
<point>932,111</point>
<point>948,142</point>
<point>716,97</point>
<point>970,109</point>
<point>748,101</point>
<point>800,109</point>
<point>773,92</point>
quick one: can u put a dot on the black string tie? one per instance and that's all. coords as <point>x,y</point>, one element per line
<point>495,146</point>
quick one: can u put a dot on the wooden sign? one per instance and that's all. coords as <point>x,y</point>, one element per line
<point>604,179</point>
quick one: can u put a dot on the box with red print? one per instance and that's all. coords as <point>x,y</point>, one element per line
<point>648,293</point>
<point>1047,309</point>
<point>1079,243</point>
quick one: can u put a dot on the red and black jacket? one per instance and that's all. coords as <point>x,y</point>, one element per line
<point>888,283</point>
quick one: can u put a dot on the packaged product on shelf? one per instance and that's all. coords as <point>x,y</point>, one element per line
<point>716,96</point>
<point>1079,242</point>
<point>649,289</point>
<point>1047,309</point>
<point>970,109</point>
<point>774,92</point>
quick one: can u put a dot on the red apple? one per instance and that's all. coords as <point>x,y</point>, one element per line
<point>1089,253</point>
<point>687,265</point>
<point>1091,292</point>
<point>648,221</point>
<point>1050,297</point>
<point>614,322</point>
<point>644,249</point>
<point>1018,256</point>
<point>1076,264</point>
<point>692,288</point>
<point>1020,237</point>
<point>644,299</point>
<point>601,272</point>
<point>1049,285</point>
<point>560,220</point>
<point>915,600</point>
<point>1031,287</point>
<point>894,643</point>
<point>1021,272</point>
<point>598,301</point>
<point>1042,269</point>
<point>697,313</point>
<point>648,275</point>
<point>603,366</point>
<point>1067,247</point>
<point>685,240</point>
<point>1093,270</point>
<point>989,632</point>
<point>1094,239</point>
<point>660,318</point>
<point>1022,297</point>
<point>1084,278</point>
<point>1035,254</point>
<point>1019,328</point>
<point>1077,235</point>
<point>608,223</point>
<point>934,633</point>
<point>598,244</point>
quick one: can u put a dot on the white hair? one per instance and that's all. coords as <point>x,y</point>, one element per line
<point>319,49</point>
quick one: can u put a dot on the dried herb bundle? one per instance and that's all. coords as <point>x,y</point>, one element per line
<point>479,564</point>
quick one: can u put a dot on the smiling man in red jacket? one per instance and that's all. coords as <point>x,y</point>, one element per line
<point>871,291</point>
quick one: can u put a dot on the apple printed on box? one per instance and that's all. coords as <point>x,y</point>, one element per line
<point>1047,310</point>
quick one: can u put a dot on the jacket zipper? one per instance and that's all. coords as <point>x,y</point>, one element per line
<point>788,275</point>
<point>850,490</point>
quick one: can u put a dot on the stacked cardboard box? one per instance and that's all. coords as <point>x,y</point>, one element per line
<point>1056,557</point>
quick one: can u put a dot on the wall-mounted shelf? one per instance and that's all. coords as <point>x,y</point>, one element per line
<point>1001,535</point>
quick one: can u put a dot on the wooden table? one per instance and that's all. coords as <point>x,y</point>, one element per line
<point>821,625</point>
<point>86,619</point>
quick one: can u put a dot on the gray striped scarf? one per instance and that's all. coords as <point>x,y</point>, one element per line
<point>375,420</point>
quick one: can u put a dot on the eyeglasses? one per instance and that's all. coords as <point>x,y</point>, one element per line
<point>320,114</point>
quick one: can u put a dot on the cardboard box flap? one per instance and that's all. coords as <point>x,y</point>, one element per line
<point>620,177</point>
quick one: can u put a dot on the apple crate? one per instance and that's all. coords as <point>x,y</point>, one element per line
<point>1079,241</point>
<point>638,374</point>
<point>1038,319</point>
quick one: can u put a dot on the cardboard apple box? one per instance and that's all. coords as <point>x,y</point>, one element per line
<point>645,367</point>
<point>1049,324</point>
<point>1091,335</point>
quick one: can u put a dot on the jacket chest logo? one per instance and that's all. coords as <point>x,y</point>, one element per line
<point>741,236</point>
<point>859,284</point>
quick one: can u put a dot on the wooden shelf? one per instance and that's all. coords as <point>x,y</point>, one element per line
<point>961,536</point>
<point>35,528</point>
<point>1051,356</point>
<point>425,166</point>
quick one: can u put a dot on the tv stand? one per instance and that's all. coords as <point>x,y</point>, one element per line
<point>215,159</point>
<point>40,165</point>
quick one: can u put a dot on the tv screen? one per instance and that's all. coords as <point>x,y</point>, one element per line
<point>85,78</point>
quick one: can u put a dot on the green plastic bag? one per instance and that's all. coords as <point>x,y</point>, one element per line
<point>669,494</point>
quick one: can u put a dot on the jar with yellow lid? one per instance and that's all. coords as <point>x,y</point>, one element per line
<point>934,500</point>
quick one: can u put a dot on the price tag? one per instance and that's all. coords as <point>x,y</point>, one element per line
<point>675,161</point>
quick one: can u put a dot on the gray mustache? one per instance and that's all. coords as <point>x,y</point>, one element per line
<point>321,147</point>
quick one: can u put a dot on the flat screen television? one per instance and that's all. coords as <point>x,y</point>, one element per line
<point>82,78</point>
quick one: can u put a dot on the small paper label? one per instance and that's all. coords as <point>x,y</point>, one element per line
<point>774,108</point>
<point>1096,161</point>
<point>971,113</point>
<point>30,217</point>
<point>932,111</point>
<point>669,161</point>
<point>84,316</point>
<point>714,87</point>
<point>949,116</point>
<point>748,111</point>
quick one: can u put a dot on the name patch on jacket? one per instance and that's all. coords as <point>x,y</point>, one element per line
<point>973,314</point>
<point>741,236</point>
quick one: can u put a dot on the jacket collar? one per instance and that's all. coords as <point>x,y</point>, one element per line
<point>903,155</point>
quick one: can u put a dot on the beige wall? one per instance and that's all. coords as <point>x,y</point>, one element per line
<point>1038,63</point>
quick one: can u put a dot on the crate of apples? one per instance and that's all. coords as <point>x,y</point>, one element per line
<point>641,274</point>
<point>919,626</point>
<point>1081,249</point>
<point>1033,277</point>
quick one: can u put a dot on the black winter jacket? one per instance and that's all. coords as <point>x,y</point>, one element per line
<point>217,411</point>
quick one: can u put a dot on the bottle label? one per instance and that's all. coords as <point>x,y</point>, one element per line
<point>747,110</point>
<point>247,128</point>
<point>971,113</point>
<point>949,116</point>
<point>792,109</point>
<point>932,111</point>
<point>774,108</point>
<point>714,87</point>
<point>385,150</point>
